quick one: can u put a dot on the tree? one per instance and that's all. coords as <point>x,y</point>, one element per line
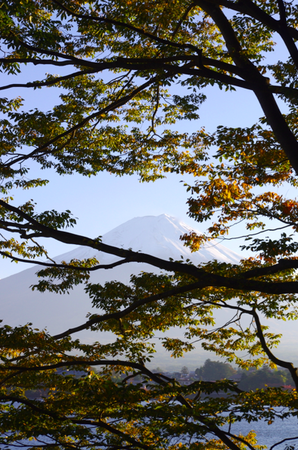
<point>123,63</point>
<point>215,370</point>
<point>263,378</point>
<point>184,370</point>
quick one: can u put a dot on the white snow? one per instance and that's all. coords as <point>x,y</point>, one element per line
<point>157,236</point>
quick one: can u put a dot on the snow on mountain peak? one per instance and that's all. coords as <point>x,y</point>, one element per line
<point>158,236</point>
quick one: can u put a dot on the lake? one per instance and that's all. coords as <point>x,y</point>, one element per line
<point>267,435</point>
<point>271,434</point>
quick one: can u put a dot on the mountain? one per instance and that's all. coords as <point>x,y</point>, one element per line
<point>158,236</point>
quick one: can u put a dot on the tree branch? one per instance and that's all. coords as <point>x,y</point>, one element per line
<point>123,313</point>
<point>204,278</point>
<point>261,88</point>
<point>212,427</point>
<point>65,266</point>
<point>285,33</point>
<point>271,356</point>
<point>43,148</point>
<point>38,84</point>
<point>128,26</point>
<point>283,264</point>
<point>280,26</point>
<point>97,422</point>
<point>183,17</point>
<point>251,9</point>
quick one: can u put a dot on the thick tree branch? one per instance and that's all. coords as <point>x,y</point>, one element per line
<point>204,278</point>
<point>283,264</point>
<point>285,33</point>
<point>142,64</point>
<point>251,9</point>
<point>262,91</point>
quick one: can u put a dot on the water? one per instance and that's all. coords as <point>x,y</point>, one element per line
<point>269,435</point>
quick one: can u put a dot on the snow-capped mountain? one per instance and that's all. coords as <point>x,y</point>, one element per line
<point>158,236</point>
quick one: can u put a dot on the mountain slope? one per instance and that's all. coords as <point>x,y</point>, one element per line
<point>158,236</point>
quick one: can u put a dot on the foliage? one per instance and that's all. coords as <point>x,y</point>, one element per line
<point>130,72</point>
<point>263,378</point>
<point>215,370</point>
<point>184,370</point>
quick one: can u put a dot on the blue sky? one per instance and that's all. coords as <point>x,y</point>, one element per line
<point>103,202</point>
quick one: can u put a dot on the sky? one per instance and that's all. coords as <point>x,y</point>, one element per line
<point>105,201</point>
